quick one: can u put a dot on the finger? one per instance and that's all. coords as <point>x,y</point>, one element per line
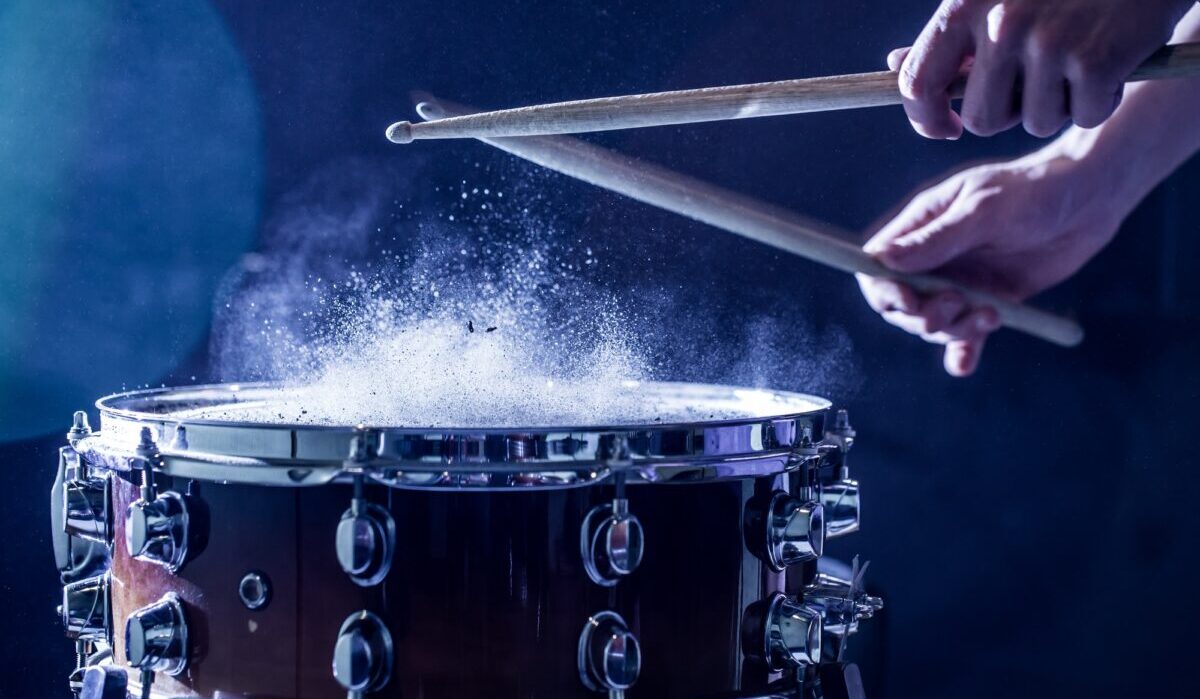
<point>919,211</point>
<point>961,357</point>
<point>885,295</point>
<point>928,70</point>
<point>943,310</point>
<point>971,325</point>
<point>936,243</point>
<point>965,340</point>
<point>989,102</point>
<point>933,319</point>
<point>895,59</point>
<point>1092,100</point>
<point>911,324</point>
<point>1044,97</point>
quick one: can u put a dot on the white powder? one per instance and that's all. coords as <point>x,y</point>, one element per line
<point>483,316</point>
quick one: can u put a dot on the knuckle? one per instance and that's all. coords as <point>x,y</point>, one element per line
<point>1094,65</point>
<point>1043,44</point>
<point>915,83</point>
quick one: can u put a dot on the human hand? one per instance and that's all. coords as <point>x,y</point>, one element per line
<point>1012,228</point>
<point>1070,58</point>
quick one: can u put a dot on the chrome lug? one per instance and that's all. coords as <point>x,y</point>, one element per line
<point>610,658</point>
<point>795,531</point>
<point>366,543</point>
<point>156,637</point>
<point>76,557</point>
<point>86,609</point>
<point>86,511</point>
<point>156,530</point>
<point>792,634</point>
<point>612,543</point>
<point>841,501</point>
<point>362,655</point>
<point>365,539</point>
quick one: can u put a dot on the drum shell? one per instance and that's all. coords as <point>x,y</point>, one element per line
<point>486,597</point>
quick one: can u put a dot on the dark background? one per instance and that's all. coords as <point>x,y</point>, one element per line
<point>1032,528</point>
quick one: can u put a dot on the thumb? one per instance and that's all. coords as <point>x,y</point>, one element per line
<point>895,59</point>
<point>930,246</point>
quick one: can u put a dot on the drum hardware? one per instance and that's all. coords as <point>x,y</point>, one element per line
<point>89,654</point>
<point>795,530</point>
<point>746,457</point>
<point>613,542</point>
<point>841,496</point>
<point>156,527</point>
<point>790,634</point>
<point>254,590</point>
<point>77,556</point>
<point>362,656</point>
<point>79,428</point>
<point>611,539</point>
<point>366,534</point>
<point>180,441</point>
<point>104,682</point>
<point>610,658</point>
<point>842,603</point>
<point>86,509</point>
<point>86,609</point>
<point>156,637</point>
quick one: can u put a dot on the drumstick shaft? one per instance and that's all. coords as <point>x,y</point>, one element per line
<point>742,215</point>
<point>720,103</point>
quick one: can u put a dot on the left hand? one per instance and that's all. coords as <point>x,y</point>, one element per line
<point>1010,228</point>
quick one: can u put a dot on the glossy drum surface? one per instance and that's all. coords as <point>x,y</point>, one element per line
<point>447,564</point>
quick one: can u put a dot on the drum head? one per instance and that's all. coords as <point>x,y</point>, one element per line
<point>563,436</point>
<point>625,404</point>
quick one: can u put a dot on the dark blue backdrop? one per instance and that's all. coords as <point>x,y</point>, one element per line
<point>1032,528</point>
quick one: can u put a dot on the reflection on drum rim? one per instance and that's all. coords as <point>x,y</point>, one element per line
<point>762,440</point>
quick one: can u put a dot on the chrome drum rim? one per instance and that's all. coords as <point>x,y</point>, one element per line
<point>486,458</point>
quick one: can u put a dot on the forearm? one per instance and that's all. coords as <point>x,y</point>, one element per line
<point>1156,129</point>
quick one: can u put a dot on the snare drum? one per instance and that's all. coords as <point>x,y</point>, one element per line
<point>211,552</point>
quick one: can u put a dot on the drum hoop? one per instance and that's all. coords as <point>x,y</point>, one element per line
<point>444,459</point>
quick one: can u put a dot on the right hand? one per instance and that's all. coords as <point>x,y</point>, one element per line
<point>1012,228</point>
<point>1070,56</point>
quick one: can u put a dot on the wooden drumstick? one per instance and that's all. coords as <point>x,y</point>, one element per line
<point>747,217</point>
<point>720,103</point>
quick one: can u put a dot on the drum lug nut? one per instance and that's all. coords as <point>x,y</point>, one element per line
<point>79,428</point>
<point>783,633</point>
<point>795,531</point>
<point>156,637</point>
<point>612,542</point>
<point>86,511</point>
<point>842,504</point>
<point>80,517</point>
<point>156,530</point>
<point>87,609</point>
<point>365,540</point>
<point>610,658</point>
<point>156,526</point>
<point>362,656</point>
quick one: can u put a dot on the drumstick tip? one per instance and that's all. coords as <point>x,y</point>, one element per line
<point>400,132</point>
